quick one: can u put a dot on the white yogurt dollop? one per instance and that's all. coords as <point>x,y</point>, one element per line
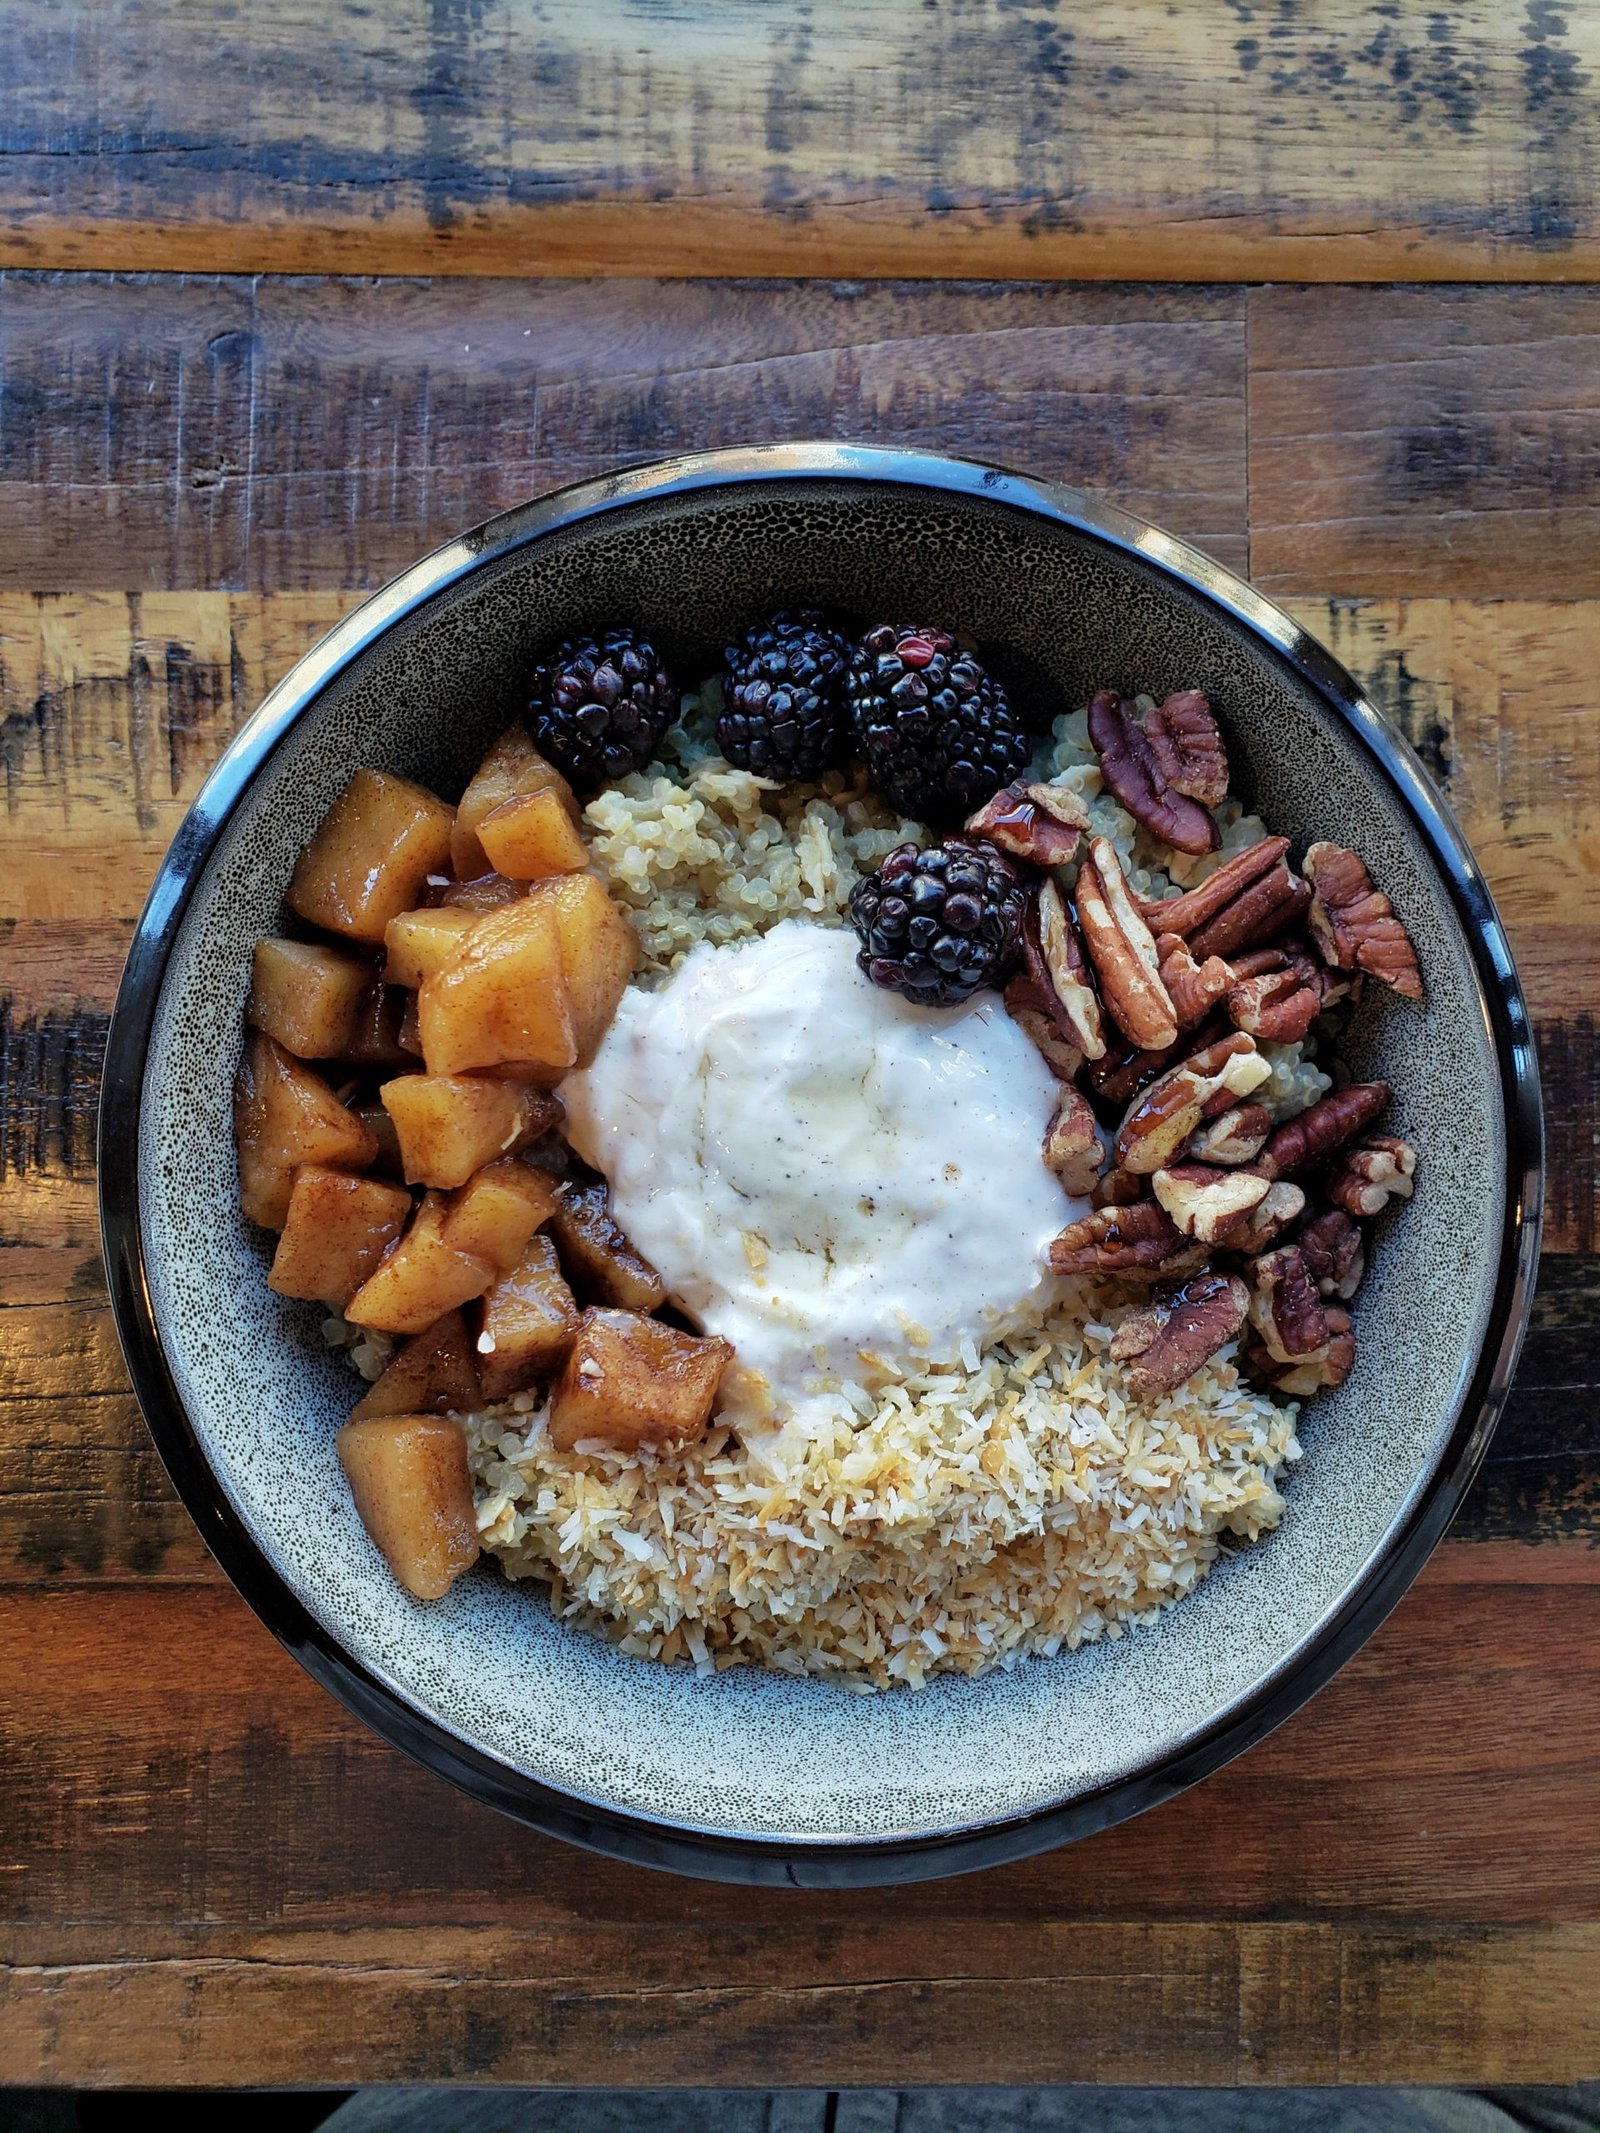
<point>820,1169</point>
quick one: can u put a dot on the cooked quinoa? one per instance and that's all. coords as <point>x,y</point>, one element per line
<point>952,1519</point>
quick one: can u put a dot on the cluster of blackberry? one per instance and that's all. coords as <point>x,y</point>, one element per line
<point>938,734</point>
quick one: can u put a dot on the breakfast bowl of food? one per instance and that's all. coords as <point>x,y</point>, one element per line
<point>820,1164</point>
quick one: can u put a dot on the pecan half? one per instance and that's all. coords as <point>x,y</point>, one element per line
<point>1032,1013</point>
<point>1269,1218</point>
<point>1285,1308</point>
<point>1354,924</point>
<point>1039,823</point>
<point>1279,1006</point>
<point>1136,1240</point>
<point>1270,906</point>
<point>1136,774</point>
<point>1186,914</point>
<point>1318,1373</point>
<point>1236,1135</point>
<point>1123,951</point>
<point>1372,1173</point>
<point>1185,1326</point>
<point>1209,1204</point>
<point>1187,744</point>
<point>1305,1142</point>
<point>1193,988</point>
<point>1073,1148</point>
<point>1160,1122</point>
<point>1065,971</point>
<point>1118,1188</point>
<point>1335,1252</point>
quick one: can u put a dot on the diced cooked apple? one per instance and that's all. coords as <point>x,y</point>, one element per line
<point>452,1124</point>
<point>419,941</point>
<point>421,1279</point>
<point>433,1373</point>
<point>530,1320</point>
<point>305,996</point>
<point>482,892</point>
<point>629,1381</point>
<point>501,997</point>
<point>531,836</point>
<point>600,1262</point>
<point>512,766</point>
<point>497,1211</point>
<point>374,1042</point>
<point>598,951</point>
<point>337,1229</point>
<point>412,1486</point>
<point>369,858</point>
<point>285,1115</point>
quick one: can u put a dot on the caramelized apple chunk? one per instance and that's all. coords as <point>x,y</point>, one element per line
<point>501,997</point>
<point>284,1116</point>
<point>421,1279</point>
<point>450,1125</point>
<point>497,1211</point>
<point>337,1229</point>
<point>630,1381</point>
<point>599,1260</point>
<point>433,1373</point>
<point>512,767</point>
<point>375,1043</point>
<point>531,836</point>
<point>530,1320</point>
<point>306,997</point>
<point>369,859</point>
<point>599,949</point>
<point>418,942</point>
<point>413,1492</point>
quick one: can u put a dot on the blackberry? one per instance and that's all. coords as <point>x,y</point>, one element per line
<point>598,706</point>
<point>938,733</point>
<point>783,707</point>
<point>939,924</point>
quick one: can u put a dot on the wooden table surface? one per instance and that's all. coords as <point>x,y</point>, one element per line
<point>294,292</point>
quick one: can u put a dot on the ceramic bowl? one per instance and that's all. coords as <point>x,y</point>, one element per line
<point>752,1776</point>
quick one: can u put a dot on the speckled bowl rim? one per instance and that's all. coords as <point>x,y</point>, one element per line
<point>839,1861</point>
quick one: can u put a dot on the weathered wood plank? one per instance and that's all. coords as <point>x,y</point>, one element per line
<point>1328,140</point>
<point>1425,441</point>
<point>178,433</point>
<point>143,1725</point>
<point>1195,2002</point>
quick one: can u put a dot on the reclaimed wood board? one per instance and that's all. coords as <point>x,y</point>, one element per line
<point>1307,140</point>
<point>212,1874</point>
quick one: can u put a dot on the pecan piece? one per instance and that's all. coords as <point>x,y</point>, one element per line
<point>1136,1240</point>
<point>1209,1204</point>
<point>1117,1188</point>
<point>1073,1148</point>
<point>1285,1308</point>
<point>1305,1142</point>
<point>1269,1218</point>
<point>1271,905</point>
<point>1065,971</point>
<point>1334,1251</point>
<point>1123,951</point>
<point>1032,1013</point>
<point>1160,1122</point>
<point>1186,742</point>
<point>1354,924</point>
<point>1039,823</point>
<point>1134,772</point>
<point>1236,1135</point>
<point>1372,1173</point>
<point>1193,988</point>
<point>1186,914</point>
<point>1185,1326</point>
<point>1318,1373</point>
<point>1279,1006</point>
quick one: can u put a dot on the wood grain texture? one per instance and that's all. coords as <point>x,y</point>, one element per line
<point>186,433</point>
<point>1307,140</point>
<point>1425,441</point>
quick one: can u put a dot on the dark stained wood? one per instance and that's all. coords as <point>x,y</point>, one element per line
<point>278,435</point>
<point>1322,140</point>
<point>1425,441</point>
